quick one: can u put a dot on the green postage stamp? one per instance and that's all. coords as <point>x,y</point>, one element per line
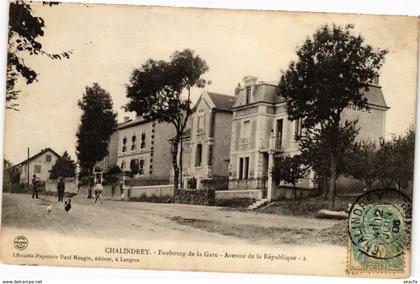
<point>378,228</point>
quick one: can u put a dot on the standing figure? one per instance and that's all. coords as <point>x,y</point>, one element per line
<point>60,189</point>
<point>34,187</point>
<point>122,183</point>
<point>98,191</point>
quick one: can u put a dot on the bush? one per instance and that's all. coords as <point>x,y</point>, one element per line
<point>216,183</point>
<point>198,197</point>
<point>19,188</point>
<point>192,183</point>
<point>153,199</point>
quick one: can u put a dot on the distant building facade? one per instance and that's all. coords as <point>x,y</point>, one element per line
<point>206,145</point>
<point>143,145</point>
<point>110,160</point>
<point>261,132</point>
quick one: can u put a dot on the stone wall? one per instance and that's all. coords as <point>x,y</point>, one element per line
<point>287,193</point>
<point>232,194</point>
<point>148,191</point>
<point>69,183</point>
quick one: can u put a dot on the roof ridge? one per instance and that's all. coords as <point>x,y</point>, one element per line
<point>40,153</point>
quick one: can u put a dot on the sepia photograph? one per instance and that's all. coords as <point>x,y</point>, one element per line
<point>204,139</point>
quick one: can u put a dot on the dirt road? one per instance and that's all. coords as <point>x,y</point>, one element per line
<point>154,221</point>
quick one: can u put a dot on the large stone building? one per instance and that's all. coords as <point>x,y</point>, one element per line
<point>144,145</point>
<point>206,145</point>
<point>261,131</point>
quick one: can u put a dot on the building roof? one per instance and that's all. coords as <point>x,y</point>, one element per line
<point>132,122</point>
<point>43,151</point>
<point>375,96</point>
<point>221,101</point>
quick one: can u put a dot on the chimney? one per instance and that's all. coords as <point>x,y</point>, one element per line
<point>375,80</point>
<point>238,89</point>
<point>249,80</point>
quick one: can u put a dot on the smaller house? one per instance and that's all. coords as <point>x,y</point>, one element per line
<point>7,175</point>
<point>39,164</point>
<point>206,145</point>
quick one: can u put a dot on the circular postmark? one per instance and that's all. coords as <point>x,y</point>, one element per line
<point>21,242</point>
<point>378,223</point>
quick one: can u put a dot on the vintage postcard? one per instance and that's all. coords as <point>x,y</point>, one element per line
<point>218,140</point>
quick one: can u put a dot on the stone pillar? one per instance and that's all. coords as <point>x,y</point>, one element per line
<point>270,176</point>
<point>271,151</point>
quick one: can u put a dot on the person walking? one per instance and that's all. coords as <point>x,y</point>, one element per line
<point>60,189</point>
<point>35,187</point>
<point>98,191</point>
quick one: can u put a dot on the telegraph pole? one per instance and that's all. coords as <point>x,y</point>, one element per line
<point>27,165</point>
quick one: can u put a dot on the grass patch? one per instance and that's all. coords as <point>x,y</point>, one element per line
<point>308,207</point>
<point>240,203</point>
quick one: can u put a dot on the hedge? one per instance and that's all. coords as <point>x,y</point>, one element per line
<point>216,183</point>
<point>194,196</point>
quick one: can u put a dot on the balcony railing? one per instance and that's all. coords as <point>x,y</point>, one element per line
<point>271,143</point>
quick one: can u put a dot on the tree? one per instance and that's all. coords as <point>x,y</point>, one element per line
<point>63,167</point>
<point>363,162</point>
<point>333,71</point>
<point>98,121</point>
<point>289,170</point>
<point>24,31</point>
<point>157,92</point>
<point>395,160</point>
<point>314,146</point>
<point>404,148</point>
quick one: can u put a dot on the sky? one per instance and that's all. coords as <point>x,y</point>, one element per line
<point>109,41</point>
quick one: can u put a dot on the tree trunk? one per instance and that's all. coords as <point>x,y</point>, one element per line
<point>181,150</point>
<point>333,179</point>
<point>325,186</point>
<point>175,165</point>
<point>90,184</point>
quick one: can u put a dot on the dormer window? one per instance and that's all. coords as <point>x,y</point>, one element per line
<point>247,95</point>
<point>133,142</point>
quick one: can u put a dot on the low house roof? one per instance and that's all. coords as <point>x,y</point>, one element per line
<point>43,151</point>
<point>221,101</point>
